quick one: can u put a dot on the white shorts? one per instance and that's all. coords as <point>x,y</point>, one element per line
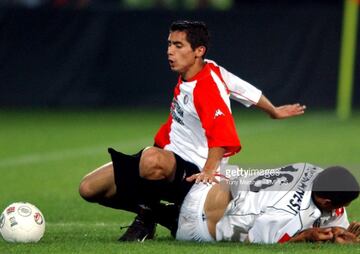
<point>192,220</point>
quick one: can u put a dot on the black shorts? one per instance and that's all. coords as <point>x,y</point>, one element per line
<point>184,167</point>
<point>129,183</point>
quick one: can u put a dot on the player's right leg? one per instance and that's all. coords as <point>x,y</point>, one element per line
<point>166,173</point>
<point>157,164</point>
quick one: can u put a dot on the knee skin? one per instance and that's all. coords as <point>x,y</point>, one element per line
<point>150,166</point>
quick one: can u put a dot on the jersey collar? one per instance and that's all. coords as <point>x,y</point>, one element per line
<point>204,72</point>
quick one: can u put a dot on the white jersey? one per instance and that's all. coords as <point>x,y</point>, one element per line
<point>200,114</point>
<point>273,207</point>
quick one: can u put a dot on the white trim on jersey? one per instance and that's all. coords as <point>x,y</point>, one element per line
<point>240,90</point>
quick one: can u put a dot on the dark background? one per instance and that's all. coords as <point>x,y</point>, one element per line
<point>104,57</point>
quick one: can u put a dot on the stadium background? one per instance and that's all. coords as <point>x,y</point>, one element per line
<point>99,55</point>
<point>79,76</point>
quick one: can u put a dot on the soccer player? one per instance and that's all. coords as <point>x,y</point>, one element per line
<point>199,133</point>
<point>298,202</point>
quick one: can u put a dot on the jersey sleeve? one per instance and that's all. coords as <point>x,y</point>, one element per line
<point>216,118</point>
<point>340,219</point>
<point>162,136</point>
<point>274,226</point>
<point>239,89</point>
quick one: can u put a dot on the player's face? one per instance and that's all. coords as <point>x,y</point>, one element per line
<point>326,205</point>
<point>182,58</point>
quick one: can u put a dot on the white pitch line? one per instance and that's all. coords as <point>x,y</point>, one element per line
<point>35,158</point>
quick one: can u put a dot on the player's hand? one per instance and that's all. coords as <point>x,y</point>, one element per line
<point>206,176</point>
<point>314,235</point>
<point>320,235</point>
<point>354,228</point>
<point>286,111</point>
<point>345,237</point>
<point>337,230</point>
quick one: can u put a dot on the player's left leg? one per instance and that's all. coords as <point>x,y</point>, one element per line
<point>99,187</point>
<point>98,184</point>
<point>132,189</point>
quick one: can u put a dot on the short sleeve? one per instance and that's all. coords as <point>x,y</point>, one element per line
<point>340,219</point>
<point>239,89</point>
<point>274,226</point>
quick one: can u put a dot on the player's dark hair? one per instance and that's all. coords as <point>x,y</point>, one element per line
<point>336,184</point>
<point>197,33</point>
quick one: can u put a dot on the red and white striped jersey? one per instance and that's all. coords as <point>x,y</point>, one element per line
<point>200,114</point>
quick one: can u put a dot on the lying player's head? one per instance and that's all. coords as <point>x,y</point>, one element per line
<point>196,32</point>
<point>334,187</point>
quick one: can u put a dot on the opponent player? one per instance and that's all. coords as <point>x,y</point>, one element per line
<point>198,134</point>
<point>299,202</point>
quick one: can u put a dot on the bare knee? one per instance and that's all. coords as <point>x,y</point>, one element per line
<point>98,184</point>
<point>86,191</point>
<point>152,165</point>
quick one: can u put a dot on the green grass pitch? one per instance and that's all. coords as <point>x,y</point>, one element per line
<point>44,155</point>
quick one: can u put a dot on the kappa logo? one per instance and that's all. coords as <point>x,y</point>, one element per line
<point>218,113</point>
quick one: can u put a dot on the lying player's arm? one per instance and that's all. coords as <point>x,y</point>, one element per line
<point>349,235</point>
<point>207,175</point>
<point>333,234</point>
<point>344,236</point>
<point>313,235</point>
<point>354,228</point>
<point>280,112</point>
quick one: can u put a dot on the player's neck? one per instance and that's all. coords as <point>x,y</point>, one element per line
<point>193,70</point>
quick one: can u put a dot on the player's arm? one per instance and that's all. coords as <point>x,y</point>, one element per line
<point>207,175</point>
<point>346,236</point>
<point>248,95</point>
<point>349,235</point>
<point>313,235</point>
<point>354,228</point>
<point>219,127</point>
<point>279,226</point>
<point>280,112</point>
<point>331,234</point>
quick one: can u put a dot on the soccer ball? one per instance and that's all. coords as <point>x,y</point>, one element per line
<point>22,222</point>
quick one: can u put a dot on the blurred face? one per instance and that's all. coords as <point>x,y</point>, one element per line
<point>182,58</point>
<point>326,205</point>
